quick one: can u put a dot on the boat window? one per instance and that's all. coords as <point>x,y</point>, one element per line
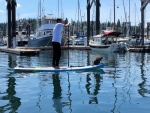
<point>53,21</point>
<point>16,33</point>
<point>40,33</point>
<point>49,32</point>
<point>24,33</point>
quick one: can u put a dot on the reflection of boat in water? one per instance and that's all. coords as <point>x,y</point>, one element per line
<point>108,42</point>
<point>43,35</point>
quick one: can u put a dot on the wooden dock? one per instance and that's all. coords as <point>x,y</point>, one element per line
<point>139,48</point>
<point>36,50</point>
<point>63,47</point>
<point>20,51</point>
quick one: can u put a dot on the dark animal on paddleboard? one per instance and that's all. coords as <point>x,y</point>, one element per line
<point>97,60</point>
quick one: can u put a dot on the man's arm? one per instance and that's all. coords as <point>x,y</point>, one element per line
<point>66,25</point>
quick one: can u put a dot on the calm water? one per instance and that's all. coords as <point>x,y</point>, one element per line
<point>124,88</point>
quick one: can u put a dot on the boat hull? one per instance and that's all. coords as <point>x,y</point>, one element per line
<point>104,48</point>
<point>39,42</point>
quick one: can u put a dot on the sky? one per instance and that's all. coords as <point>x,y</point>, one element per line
<point>69,9</point>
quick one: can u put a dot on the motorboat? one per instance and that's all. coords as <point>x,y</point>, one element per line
<point>21,38</point>
<point>107,42</point>
<point>136,40</point>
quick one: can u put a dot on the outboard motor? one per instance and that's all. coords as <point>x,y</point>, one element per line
<point>123,47</point>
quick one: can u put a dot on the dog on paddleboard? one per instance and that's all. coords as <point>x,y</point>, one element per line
<point>97,60</point>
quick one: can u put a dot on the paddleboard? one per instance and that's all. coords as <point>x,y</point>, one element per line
<point>61,69</point>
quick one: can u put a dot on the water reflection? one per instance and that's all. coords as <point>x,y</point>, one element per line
<point>12,60</point>
<point>93,91</point>
<point>126,86</point>
<point>57,88</point>
<point>14,102</point>
<point>57,94</point>
<point>143,91</point>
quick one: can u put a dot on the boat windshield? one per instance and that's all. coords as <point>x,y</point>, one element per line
<point>44,33</point>
<point>109,40</point>
<point>49,21</point>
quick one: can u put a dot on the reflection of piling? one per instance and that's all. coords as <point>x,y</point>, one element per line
<point>11,9</point>
<point>14,102</point>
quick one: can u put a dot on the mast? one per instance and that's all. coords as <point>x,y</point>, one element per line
<point>39,14</point>
<point>58,8</point>
<point>129,19</point>
<point>125,16</point>
<point>135,18</point>
<point>78,17</point>
<point>62,13</point>
<point>114,14</point>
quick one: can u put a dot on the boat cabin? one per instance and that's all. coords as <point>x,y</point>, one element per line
<point>104,40</point>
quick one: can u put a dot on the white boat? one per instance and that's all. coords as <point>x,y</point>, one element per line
<point>21,38</point>
<point>136,40</point>
<point>108,43</point>
<point>79,39</point>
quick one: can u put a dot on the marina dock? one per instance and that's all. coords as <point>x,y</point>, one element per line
<point>20,51</point>
<point>63,47</point>
<point>145,48</point>
<point>36,50</point>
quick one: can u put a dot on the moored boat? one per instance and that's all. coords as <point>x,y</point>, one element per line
<point>108,42</point>
<point>43,35</point>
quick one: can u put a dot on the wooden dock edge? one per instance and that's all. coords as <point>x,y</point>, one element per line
<point>63,47</point>
<point>20,51</point>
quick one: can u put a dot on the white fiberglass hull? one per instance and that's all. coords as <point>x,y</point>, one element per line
<point>104,48</point>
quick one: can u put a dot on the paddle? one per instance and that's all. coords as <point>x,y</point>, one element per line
<point>66,22</point>
<point>68,46</point>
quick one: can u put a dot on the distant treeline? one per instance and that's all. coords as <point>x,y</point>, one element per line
<point>121,27</point>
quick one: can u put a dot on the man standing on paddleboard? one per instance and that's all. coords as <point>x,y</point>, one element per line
<point>56,42</point>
